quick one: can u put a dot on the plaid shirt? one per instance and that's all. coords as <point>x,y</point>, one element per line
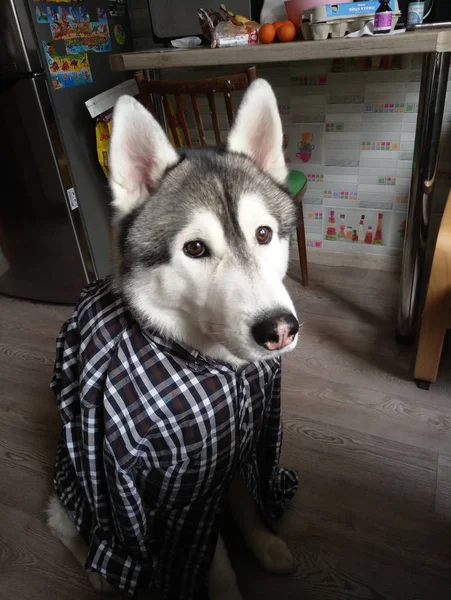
<point>151,434</point>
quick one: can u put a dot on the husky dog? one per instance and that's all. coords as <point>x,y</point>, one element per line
<point>202,249</point>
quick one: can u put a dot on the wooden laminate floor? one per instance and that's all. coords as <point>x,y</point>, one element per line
<point>372,518</point>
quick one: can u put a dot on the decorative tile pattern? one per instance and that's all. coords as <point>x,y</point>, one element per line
<point>349,125</point>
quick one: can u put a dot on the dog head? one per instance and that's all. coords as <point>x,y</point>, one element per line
<point>203,236</point>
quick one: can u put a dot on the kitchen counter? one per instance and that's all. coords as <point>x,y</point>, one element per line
<point>204,56</point>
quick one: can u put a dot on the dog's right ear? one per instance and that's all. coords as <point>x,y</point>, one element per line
<point>140,153</point>
<point>257,131</point>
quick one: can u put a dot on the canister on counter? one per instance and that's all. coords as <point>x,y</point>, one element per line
<point>415,13</point>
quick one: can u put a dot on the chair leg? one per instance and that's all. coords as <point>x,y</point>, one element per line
<point>435,321</point>
<point>430,348</point>
<point>302,246</point>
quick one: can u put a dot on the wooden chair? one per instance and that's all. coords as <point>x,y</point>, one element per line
<point>437,310</point>
<point>177,124</point>
<point>297,184</point>
<point>163,88</point>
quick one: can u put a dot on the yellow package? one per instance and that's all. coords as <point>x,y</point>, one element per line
<point>177,128</point>
<point>103,135</point>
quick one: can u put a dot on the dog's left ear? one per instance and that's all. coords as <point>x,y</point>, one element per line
<point>257,131</point>
<point>140,153</point>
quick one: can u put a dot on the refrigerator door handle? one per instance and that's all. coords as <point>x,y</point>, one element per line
<point>20,76</point>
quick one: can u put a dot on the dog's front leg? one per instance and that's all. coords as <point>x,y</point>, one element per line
<point>222,583</point>
<point>271,552</point>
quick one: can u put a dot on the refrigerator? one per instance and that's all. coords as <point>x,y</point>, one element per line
<point>54,202</point>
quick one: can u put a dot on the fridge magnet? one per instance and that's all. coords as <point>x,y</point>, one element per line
<point>67,23</point>
<point>79,32</point>
<point>43,15</point>
<point>112,8</point>
<point>117,8</point>
<point>67,71</point>
<point>119,34</point>
<point>121,8</point>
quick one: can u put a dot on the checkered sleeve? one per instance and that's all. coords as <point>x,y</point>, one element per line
<point>270,485</point>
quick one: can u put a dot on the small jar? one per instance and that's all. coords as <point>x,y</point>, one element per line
<point>415,13</point>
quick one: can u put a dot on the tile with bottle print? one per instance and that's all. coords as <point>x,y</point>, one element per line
<point>354,227</point>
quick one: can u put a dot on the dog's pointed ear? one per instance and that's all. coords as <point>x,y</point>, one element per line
<point>140,153</point>
<point>257,131</point>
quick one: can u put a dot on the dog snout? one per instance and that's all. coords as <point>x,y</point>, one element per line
<point>276,332</point>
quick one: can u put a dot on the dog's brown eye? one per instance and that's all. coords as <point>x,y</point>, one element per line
<point>263,235</point>
<point>195,249</point>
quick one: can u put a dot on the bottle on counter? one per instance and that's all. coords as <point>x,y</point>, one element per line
<point>331,231</point>
<point>361,234</point>
<point>383,19</point>
<point>378,239</point>
<point>342,231</point>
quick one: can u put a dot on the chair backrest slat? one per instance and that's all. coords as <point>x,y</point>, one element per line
<point>183,121</point>
<point>229,107</point>
<point>198,117</point>
<point>146,99</point>
<point>208,87</point>
<point>214,117</point>
<point>170,119</point>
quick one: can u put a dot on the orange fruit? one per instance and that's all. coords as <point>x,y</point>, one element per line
<point>278,24</point>
<point>267,33</point>
<point>287,32</point>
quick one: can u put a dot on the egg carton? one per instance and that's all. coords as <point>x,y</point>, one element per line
<point>337,20</point>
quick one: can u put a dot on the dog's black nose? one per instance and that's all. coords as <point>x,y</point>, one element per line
<point>276,332</point>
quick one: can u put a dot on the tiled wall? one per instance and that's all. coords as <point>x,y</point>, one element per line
<point>350,127</point>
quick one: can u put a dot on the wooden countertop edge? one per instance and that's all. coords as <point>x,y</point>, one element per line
<point>407,43</point>
<point>444,40</point>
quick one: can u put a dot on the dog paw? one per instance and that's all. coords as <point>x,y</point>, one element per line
<point>275,556</point>
<point>100,584</point>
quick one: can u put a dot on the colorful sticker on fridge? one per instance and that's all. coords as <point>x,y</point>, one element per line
<point>79,33</point>
<point>67,71</point>
<point>119,34</point>
<point>43,14</point>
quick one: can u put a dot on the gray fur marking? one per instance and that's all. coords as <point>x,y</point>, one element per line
<point>205,180</point>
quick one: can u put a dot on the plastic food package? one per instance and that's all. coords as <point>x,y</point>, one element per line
<point>227,35</point>
<point>186,42</point>
<point>218,28</point>
<point>103,135</point>
<point>209,19</point>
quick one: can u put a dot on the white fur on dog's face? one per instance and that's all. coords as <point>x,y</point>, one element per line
<point>212,304</point>
<point>208,303</point>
